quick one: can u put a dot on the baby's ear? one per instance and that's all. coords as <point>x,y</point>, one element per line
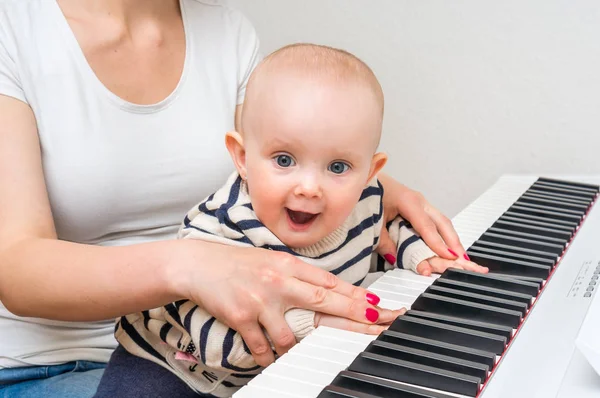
<point>379,160</point>
<point>235,145</point>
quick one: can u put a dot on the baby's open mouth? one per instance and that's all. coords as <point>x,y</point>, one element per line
<point>300,217</point>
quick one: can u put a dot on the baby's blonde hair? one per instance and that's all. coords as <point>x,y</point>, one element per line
<point>317,61</point>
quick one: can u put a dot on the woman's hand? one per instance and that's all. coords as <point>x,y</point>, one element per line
<point>439,265</point>
<point>249,289</point>
<point>337,322</point>
<point>435,228</point>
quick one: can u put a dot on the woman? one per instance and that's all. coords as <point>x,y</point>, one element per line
<point>109,112</point>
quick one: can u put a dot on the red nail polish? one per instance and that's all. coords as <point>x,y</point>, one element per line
<point>373,299</point>
<point>452,252</point>
<point>466,256</point>
<point>372,315</point>
<point>390,258</point>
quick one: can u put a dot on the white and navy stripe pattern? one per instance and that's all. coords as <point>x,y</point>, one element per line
<point>224,361</point>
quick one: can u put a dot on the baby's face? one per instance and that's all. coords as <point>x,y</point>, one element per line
<point>309,156</point>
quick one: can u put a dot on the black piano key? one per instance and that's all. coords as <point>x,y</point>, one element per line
<point>573,184</point>
<point>533,229</point>
<point>422,357</point>
<point>551,208</point>
<point>494,281</point>
<point>577,208</point>
<point>467,309</point>
<point>505,331</point>
<point>354,384</point>
<point>570,224</point>
<point>533,193</point>
<point>560,196</point>
<point>511,255</point>
<point>414,373</point>
<point>526,235</point>
<point>541,212</point>
<point>449,333</point>
<point>477,298</point>
<point>509,266</point>
<point>516,249</point>
<point>538,281</point>
<point>567,190</point>
<point>528,243</point>
<point>453,350</point>
<point>490,291</point>
<point>340,392</point>
<point>534,222</point>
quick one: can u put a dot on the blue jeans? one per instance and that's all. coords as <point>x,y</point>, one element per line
<point>70,380</point>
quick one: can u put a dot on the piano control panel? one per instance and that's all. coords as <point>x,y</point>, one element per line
<point>585,284</point>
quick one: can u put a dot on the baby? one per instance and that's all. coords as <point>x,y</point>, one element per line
<point>305,184</point>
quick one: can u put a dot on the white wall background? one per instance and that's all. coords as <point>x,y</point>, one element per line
<point>474,88</point>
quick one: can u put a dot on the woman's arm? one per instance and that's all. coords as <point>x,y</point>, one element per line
<point>43,277</point>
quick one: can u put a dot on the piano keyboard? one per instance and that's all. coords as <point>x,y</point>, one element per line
<point>454,340</point>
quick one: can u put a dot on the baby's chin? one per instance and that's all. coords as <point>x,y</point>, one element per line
<point>300,240</point>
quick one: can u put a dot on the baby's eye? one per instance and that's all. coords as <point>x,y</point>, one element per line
<point>338,167</point>
<point>284,161</point>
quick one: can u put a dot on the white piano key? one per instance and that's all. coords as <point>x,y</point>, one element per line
<point>309,376</point>
<point>294,386</point>
<point>304,362</point>
<point>333,343</point>
<point>344,335</point>
<point>325,354</point>
<point>411,276</point>
<point>399,298</point>
<point>398,286</point>
<point>255,392</point>
<point>393,305</point>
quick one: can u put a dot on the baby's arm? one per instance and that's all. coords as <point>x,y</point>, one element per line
<point>411,250</point>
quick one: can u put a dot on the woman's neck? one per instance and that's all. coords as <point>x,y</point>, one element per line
<point>127,15</point>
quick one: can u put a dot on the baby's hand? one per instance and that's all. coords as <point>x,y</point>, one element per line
<point>337,322</point>
<point>439,265</point>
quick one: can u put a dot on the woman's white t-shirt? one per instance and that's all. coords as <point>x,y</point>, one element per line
<point>118,173</point>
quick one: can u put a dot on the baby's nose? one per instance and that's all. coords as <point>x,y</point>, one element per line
<point>309,187</point>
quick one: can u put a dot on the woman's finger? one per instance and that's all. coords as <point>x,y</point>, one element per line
<point>439,265</point>
<point>428,230</point>
<point>303,295</point>
<point>278,330</point>
<point>386,247</point>
<point>321,278</point>
<point>257,343</point>
<point>447,232</point>
<point>350,325</point>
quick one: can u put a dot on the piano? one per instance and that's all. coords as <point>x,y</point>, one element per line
<point>511,333</point>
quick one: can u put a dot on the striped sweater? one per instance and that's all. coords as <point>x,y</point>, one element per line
<point>212,358</point>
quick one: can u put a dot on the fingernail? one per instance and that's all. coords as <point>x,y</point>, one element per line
<point>466,256</point>
<point>452,252</point>
<point>373,299</point>
<point>372,315</point>
<point>390,258</point>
